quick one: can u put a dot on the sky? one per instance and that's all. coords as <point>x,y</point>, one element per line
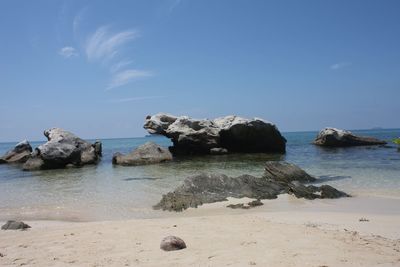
<point>97,68</point>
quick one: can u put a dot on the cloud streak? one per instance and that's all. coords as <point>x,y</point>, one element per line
<point>68,52</point>
<point>103,45</point>
<point>340,65</point>
<point>126,76</point>
<point>120,65</point>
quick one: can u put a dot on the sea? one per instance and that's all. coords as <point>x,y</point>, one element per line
<point>107,192</point>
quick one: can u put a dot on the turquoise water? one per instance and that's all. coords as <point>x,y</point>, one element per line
<point>113,192</point>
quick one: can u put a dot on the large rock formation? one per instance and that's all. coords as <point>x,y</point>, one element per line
<point>231,134</point>
<point>279,178</point>
<point>332,137</point>
<point>19,154</point>
<point>63,149</point>
<point>149,153</point>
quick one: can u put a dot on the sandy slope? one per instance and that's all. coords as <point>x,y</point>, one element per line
<point>234,239</point>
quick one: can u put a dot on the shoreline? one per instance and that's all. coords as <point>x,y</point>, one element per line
<point>362,204</point>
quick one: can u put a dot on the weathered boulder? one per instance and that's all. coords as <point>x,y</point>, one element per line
<point>171,243</point>
<point>230,133</point>
<point>19,154</point>
<point>63,148</point>
<point>15,225</point>
<point>149,153</point>
<point>159,123</point>
<point>280,178</point>
<point>332,137</point>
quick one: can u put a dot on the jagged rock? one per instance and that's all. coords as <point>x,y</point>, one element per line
<point>149,153</point>
<point>14,225</point>
<point>19,154</point>
<point>159,123</point>
<point>233,133</point>
<point>332,137</point>
<point>285,172</point>
<point>171,243</point>
<point>313,192</point>
<point>208,188</point>
<point>63,149</point>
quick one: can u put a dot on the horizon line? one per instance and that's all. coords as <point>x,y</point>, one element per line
<point>144,136</point>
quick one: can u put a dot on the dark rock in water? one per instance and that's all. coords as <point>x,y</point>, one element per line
<point>171,243</point>
<point>14,225</point>
<point>19,154</point>
<point>63,149</point>
<point>332,137</point>
<point>149,153</point>
<point>218,151</point>
<point>203,188</point>
<point>285,172</point>
<point>280,178</point>
<point>235,134</point>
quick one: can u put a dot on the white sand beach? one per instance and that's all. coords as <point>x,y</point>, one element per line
<point>216,236</point>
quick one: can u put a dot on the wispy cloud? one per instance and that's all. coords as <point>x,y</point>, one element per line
<point>340,65</point>
<point>68,52</point>
<point>126,76</point>
<point>78,20</point>
<point>130,99</point>
<point>120,65</point>
<point>103,45</point>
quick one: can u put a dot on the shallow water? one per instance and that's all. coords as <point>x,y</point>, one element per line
<point>105,191</point>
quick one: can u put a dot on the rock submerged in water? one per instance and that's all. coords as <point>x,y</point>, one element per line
<point>285,172</point>
<point>171,243</point>
<point>149,153</point>
<point>61,150</point>
<point>220,136</point>
<point>15,225</point>
<point>332,137</point>
<point>279,178</point>
<point>19,154</point>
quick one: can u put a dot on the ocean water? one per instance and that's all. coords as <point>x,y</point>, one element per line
<point>105,192</point>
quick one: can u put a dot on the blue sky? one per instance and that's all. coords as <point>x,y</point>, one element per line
<point>97,68</point>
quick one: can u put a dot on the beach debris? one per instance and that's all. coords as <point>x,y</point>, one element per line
<point>218,136</point>
<point>171,243</point>
<point>19,154</point>
<point>332,137</point>
<point>15,225</point>
<point>218,151</point>
<point>363,219</point>
<point>208,188</point>
<point>63,149</point>
<point>252,204</point>
<point>1,255</point>
<point>148,153</point>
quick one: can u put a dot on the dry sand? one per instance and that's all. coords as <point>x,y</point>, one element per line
<point>225,238</point>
